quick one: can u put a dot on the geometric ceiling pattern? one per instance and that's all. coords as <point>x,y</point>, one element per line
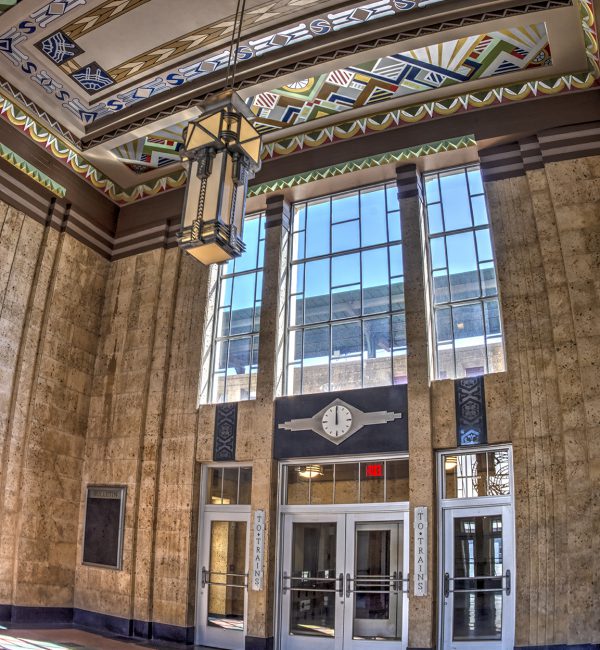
<point>405,73</point>
<point>50,47</point>
<point>427,68</point>
<point>291,114</point>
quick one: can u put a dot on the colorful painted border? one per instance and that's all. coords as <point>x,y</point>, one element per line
<point>379,122</point>
<point>401,155</point>
<point>33,172</point>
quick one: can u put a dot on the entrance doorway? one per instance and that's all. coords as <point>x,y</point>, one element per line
<point>344,581</point>
<point>478,567</point>
<point>223,558</point>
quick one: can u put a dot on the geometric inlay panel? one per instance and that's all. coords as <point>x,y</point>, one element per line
<point>225,432</point>
<point>471,426</point>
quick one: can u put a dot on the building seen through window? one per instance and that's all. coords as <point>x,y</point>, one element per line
<point>467,325</point>
<point>346,293</point>
<point>234,363</point>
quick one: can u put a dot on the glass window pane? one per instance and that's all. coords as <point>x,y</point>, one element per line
<point>238,370</point>
<point>345,270</point>
<point>321,485</point>
<point>251,236</point>
<point>346,483</point>
<point>391,192</point>
<point>344,207</point>
<point>470,350</point>
<point>298,243</point>
<point>316,360</point>
<point>299,220</point>
<point>372,482</point>
<point>484,245</point>
<point>441,289</point>
<point>214,485</point>
<point>242,307</point>
<point>376,277</point>
<point>377,352</point>
<point>475,181</point>
<point>455,197</point>
<point>400,372</point>
<point>316,308</point>
<point>373,217</point>
<point>317,228</point>
<point>346,236</point>
<point>477,474</point>
<point>245,490</point>
<point>346,357</point>
<point>462,265</point>
<point>396,477</point>
<point>230,485</point>
<point>432,189</point>
<point>297,488</point>
<point>394,226</point>
<point>438,253</point>
<point>487,272</point>
<point>480,214</point>
<point>434,218</point>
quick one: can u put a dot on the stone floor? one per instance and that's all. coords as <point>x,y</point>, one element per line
<point>74,639</point>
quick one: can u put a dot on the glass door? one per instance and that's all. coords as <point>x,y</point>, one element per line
<point>312,582</point>
<point>478,577</point>
<point>223,580</point>
<point>343,585</point>
<point>376,607</point>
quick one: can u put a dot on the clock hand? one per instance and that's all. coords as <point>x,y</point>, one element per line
<point>336,415</point>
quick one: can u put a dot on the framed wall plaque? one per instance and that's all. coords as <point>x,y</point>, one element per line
<point>103,528</point>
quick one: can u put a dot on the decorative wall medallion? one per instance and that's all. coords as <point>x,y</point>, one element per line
<point>339,420</point>
<point>59,48</point>
<point>471,425</point>
<point>92,78</point>
<point>225,432</point>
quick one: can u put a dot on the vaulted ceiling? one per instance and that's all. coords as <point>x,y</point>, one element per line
<point>108,85</point>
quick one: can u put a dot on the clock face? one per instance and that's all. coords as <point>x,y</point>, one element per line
<point>336,421</point>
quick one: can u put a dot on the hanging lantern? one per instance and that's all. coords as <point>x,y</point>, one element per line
<point>222,152</point>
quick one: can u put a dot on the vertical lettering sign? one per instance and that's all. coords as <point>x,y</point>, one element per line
<point>420,526</point>
<point>258,550</point>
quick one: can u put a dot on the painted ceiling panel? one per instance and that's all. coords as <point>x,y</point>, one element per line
<point>405,73</point>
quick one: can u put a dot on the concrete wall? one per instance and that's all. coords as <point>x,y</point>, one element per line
<point>51,292</point>
<point>57,300</point>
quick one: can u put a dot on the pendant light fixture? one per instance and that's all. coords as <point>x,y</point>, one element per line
<point>221,150</point>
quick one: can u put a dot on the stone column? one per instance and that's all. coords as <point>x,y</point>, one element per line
<point>421,620</point>
<point>269,385</point>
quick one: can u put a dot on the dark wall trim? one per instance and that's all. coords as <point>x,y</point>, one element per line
<point>538,131</point>
<point>67,616</point>
<point>562,646</point>
<point>259,643</point>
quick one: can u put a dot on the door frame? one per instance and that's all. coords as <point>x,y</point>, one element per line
<point>472,505</point>
<point>375,509</point>
<point>208,512</point>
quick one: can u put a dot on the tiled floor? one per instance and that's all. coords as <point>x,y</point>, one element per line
<point>72,639</point>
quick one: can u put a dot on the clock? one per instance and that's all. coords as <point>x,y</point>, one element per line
<point>336,421</point>
<point>339,420</point>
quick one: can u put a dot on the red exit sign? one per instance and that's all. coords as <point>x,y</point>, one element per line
<point>374,470</point>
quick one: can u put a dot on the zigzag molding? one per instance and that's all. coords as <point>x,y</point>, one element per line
<point>401,155</point>
<point>33,172</point>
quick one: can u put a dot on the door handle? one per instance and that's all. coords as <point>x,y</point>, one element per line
<point>348,587</point>
<point>508,581</point>
<point>341,587</point>
<point>446,585</point>
<point>203,580</point>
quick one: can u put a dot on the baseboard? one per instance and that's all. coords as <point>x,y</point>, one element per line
<point>560,646</point>
<point>259,643</point>
<point>96,621</point>
<point>173,633</point>
<point>104,622</point>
